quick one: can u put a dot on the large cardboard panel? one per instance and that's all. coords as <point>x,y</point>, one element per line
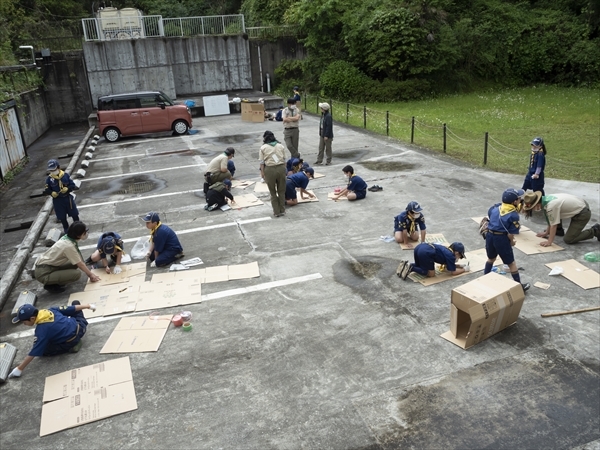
<point>129,271</point>
<point>216,273</point>
<point>529,243</point>
<point>331,194</point>
<point>579,274</point>
<point>475,258</point>
<point>87,394</point>
<point>241,184</point>
<point>261,187</point>
<point>483,307</point>
<point>308,200</point>
<point>137,334</point>
<point>318,175</point>
<point>245,201</point>
<point>430,238</point>
<point>243,271</point>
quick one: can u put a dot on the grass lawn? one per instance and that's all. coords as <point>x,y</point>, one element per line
<point>568,119</point>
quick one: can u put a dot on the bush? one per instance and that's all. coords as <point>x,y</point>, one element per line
<point>344,82</point>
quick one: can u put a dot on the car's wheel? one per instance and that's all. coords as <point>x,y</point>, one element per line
<point>111,134</point>
<point>180,127</point>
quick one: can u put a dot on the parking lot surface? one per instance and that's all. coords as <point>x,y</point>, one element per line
<point>329,349</point>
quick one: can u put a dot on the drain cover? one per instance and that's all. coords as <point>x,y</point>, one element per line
<point>137,188</point>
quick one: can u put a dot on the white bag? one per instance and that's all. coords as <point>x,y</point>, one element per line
<point>141,247</point>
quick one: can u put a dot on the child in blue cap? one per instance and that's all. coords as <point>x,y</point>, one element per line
<point>407,223</point>
<point>426,255</point>
<point>59,186</point>
<point>164,244</point>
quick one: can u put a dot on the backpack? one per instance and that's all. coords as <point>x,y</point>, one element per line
<point>483,227</point>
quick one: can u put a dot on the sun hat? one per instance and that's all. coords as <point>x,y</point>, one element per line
<point>531,199</point>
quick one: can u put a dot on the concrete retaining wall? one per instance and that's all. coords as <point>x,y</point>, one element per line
<point>33,116</point>
<point>67,91</point>
<point>175,66</point>
<point>271,55</point>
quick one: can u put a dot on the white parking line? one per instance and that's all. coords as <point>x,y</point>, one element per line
<point>139,173</point>
<point>193,230</point>
<point>207,297</point>
<point>136,199</point>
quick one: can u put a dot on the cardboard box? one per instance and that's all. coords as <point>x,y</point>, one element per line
<point>87,394</point>
<point>253,112</point>
<point>482,308</point>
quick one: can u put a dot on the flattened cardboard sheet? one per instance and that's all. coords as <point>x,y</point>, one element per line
<point>475,258</point>
<point>241,184</point>
<point>245,201</point>
<point>308,200</point>
<point>137,334</point>
<point>129,271</point>
<point>331,194</point>
<point>113,299</point>
<point>430,238</point>
<point>579,274</point>
<point>529,243</point>
<point>261,187</point>
<point>87,394</point>
<point>318,175</point>
<point>216,273</point>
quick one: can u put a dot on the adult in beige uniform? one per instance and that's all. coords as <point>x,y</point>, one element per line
<point>217,169</point>
<point>272,169</point>
<point>291,131</point>
<point>556,208</point>
<point>62,263</point>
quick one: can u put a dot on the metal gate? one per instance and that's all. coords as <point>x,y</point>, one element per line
<point>12,150</point>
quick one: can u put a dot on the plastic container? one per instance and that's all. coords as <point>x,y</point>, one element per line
<point>186,315</point>
<point>592,256</point>
<point>177,320</point>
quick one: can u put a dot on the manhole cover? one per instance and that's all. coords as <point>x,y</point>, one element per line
<point>137,188</point>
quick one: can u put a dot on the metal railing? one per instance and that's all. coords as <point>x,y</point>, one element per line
<point>203,26</point>
<point>136,27</point>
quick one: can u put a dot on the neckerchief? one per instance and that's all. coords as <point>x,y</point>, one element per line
<point>154,231</point>
<point>44,316</point>
<point>412,224</point>
<point>58,177</point>
<point>506,208</point>
<point>67,238</point>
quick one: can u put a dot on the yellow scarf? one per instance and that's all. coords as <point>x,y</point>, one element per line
<point>44,316</point>
<point>154,231</point>
<point>57,177</point>
<point>507,208</point>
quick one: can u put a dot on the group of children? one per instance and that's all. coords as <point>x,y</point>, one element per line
<point>500,226</point>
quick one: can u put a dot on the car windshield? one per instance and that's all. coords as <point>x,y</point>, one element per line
<point>166,99</point>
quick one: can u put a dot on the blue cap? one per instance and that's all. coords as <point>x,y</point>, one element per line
<point>458,247</point>
<point>107,246</point>
<point>510,196</point>
<point>227,182</point>
<point>414,207</point>
<point>152,217</point>
<point>53,164</point>
<point>26,312</point>
<point>538,142</point>
<point>520,193</point>
<point>310,171</point>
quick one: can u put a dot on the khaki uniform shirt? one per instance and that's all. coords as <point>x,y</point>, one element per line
<point>60,254</point>
<point>218,163</point>
<point>270,155</point>
<point>557,207</point>
<point>287,112</point>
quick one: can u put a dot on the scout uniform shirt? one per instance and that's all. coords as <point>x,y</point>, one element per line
<point>557,207</point>
<point>62,253</point>
<point>54,326</point>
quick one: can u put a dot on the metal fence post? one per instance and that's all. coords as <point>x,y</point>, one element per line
<point>387,123</point>
<point>485,148</point>
<point>365,117</point>
<point>444,138</point>
<point>347,111</point>
<point>412,130</point>
<point>181,27</point>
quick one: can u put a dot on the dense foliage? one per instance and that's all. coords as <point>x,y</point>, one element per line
<point>378,49</point>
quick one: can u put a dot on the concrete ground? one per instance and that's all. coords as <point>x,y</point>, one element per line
<point>342,354</point>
